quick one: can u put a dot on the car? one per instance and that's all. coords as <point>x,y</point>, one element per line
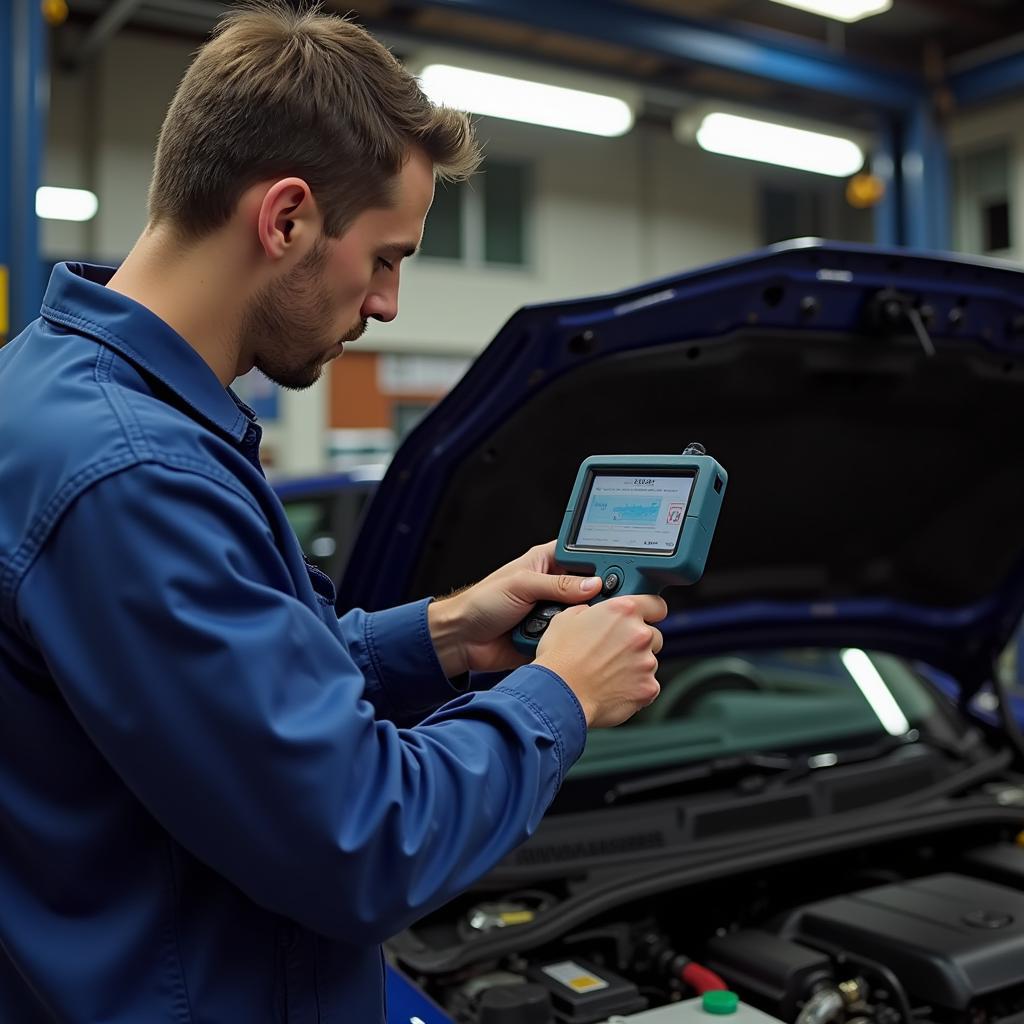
<point>325,510</point>
<point>817,814</point>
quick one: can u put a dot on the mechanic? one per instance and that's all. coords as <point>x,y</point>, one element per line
<point>216,797</point>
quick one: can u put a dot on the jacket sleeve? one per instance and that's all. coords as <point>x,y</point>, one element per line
<point>393,650</point>
<point>237,718</point>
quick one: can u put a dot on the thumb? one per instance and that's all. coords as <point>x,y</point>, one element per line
<point>567,589</point>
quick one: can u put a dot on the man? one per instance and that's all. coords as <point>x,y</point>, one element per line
<point>208,809</point>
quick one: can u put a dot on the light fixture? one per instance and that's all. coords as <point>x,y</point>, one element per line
<point>876,693</point>
<point>516,99</point>
<point>750,139</point>
<point>841,10</point>
<point>65,203</point>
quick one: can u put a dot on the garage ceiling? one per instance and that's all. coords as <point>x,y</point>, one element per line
<point>926,38</point>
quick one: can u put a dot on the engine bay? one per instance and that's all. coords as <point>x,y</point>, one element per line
<point>907,932</point>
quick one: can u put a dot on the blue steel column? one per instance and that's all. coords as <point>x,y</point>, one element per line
<point>885,165</point>
<point>927,210</point>
<point>23,101</point>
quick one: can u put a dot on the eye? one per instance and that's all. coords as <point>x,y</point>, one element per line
<point>385,263</point>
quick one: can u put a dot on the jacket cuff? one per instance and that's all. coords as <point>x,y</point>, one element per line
<point>404,660</point>
<point>549,698</point>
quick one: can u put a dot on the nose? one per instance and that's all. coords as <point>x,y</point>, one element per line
<point>381,304</point>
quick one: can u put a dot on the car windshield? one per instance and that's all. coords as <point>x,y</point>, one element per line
<point>810,701</point>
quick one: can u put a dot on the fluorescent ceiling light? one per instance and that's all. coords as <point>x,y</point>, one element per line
<point>733,135</point>
<point>66,203</point>
<point>841,10</point>
<point>876,693</point>
<point>533,102</point>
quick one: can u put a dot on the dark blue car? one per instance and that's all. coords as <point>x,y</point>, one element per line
<point>818,813</point>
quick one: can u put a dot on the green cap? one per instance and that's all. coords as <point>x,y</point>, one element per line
<point>720,1001</point>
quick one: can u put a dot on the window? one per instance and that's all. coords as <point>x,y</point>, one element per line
<point>982,220</point>
<point>482,221</point>
<point>790,213</point>
<point>406,415</point>
<point>444,228</point>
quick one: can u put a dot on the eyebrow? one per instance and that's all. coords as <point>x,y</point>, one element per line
<point>405,248</point>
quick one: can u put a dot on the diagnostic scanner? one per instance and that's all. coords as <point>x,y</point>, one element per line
<point>640,522</point>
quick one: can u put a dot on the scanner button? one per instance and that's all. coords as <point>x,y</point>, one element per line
<point>533,627</point>
<point>549,611</point>
<point>612,582</point>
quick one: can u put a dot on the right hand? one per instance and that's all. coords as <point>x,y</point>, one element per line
<point>606,653</point>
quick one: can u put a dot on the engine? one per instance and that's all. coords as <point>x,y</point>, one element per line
<point>939,948</point>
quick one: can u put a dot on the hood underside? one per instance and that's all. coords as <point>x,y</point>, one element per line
<point>876,491</point>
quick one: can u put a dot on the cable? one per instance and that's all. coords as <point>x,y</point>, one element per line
<point>700,979</point>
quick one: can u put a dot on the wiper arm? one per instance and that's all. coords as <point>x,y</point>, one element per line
<point>697,773</point>
<point>765,770</point>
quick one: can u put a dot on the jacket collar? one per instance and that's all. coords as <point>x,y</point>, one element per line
<point>77,298</point>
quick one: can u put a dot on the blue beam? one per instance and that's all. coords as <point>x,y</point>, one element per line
<point>739,50</point>
<point>23,102</point>
<point>1001,77</point>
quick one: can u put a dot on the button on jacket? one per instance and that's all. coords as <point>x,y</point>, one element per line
<point>216,797</point>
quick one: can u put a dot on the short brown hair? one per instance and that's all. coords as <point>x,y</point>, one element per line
<point>279,92</point>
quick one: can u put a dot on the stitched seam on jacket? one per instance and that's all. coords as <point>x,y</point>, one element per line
<point>565,686</point>
<point>129,421</point>
<point>552,728</point>
<point>75,320</point>
<point>101,368</point>
<point>371,649</point>
<point>24,556</point>
<point>183,1005</point>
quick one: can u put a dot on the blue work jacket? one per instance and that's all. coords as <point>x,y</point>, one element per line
<point>216,797</point>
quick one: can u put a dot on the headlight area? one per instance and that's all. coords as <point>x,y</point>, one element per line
<point>929,931</point>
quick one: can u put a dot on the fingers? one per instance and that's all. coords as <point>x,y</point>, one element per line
<point>650,694</point>
<point>650,607</point>
<point>541,557</point>
<point>657,641</point>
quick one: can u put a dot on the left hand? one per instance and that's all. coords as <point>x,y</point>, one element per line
<point>472,629</point>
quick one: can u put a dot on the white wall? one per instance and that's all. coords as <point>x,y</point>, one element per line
<point>978,128</point>
<point>103,126</point>
<point>606,214</point>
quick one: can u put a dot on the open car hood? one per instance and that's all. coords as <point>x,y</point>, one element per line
<point>876,491</point>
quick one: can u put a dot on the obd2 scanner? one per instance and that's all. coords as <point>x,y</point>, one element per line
<point>640,522</point>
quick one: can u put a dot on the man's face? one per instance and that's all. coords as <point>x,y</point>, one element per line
<point>298,323</point>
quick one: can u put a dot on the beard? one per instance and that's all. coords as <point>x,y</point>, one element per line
<point>284,325</point>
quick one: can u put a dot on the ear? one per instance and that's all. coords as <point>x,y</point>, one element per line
<point>289,221</point>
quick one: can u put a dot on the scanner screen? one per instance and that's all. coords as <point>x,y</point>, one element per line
<point>634,512</point>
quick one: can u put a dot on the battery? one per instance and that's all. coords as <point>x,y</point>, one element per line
<point>582,993</point>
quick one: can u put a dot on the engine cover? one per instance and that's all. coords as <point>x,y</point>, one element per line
<point>949,938</point>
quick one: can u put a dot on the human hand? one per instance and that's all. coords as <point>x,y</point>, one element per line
<point>472,629</point>
<point>607,655</point>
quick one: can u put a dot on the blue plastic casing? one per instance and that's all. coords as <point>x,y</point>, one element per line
<point>638,571</point>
